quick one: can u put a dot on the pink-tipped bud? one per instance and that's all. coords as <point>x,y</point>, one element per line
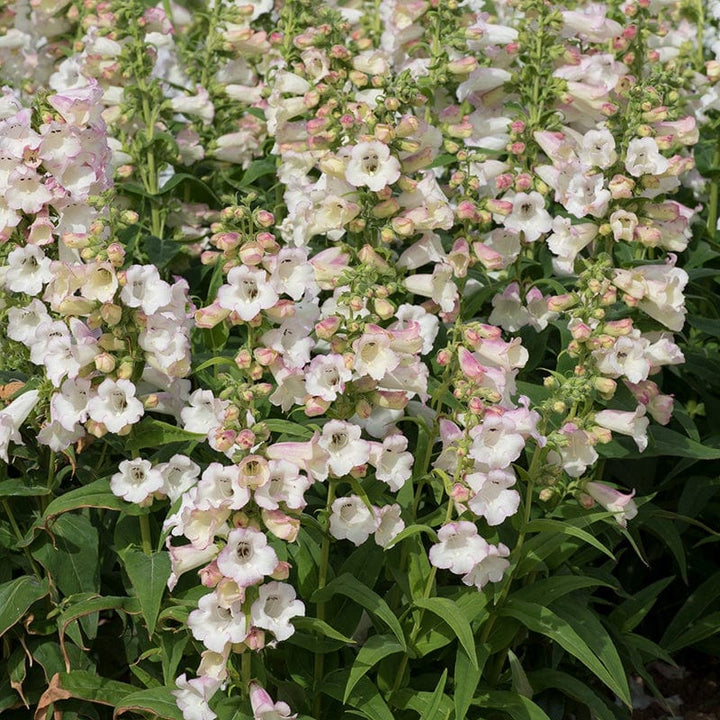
<point>316,406</point>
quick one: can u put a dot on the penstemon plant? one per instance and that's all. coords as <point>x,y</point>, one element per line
<point>323,324</point>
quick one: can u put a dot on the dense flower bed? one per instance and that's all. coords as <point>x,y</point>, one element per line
<point>321,320</point>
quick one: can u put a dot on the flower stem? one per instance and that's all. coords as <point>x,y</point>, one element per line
<point>713,201</point>
<point>320,610</point>
<point>146,534</point>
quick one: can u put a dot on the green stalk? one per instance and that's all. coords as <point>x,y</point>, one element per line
<point>246,671</point>
<point>320,610</point>
<point>713,202</point>
<point>146,534</point>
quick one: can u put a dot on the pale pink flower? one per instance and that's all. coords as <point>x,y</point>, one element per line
<point>459,549</point>
<point>634,424</point>
<point>192,697</point>
<point>216,623</point>
<point>247,557</point>
<point>346,450</point>
<point>372,165</point>
<point>390,524</point>
<point>614,501</point>
<point>247,292</point>
<point>144,289</point>
<point>115,405</point>
<point>493,499</point>
<point>136,480</point>
<point>351,519</point>
<point>276,604</point>
<point>643,158</point>
<point>491,568</point>
<point>264,708</point>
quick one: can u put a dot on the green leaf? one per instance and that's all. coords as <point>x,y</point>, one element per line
<point>691,611</point>
<point>78,606</point>
<point>466,678</point>
<point>371,653</point>
<point>160,251</point>
<point>573,688</point>
<point>149,575</point>
<point>409,532</point>
<point>21,488</point>
<point>662,441</point>
<point>520,683</point>
<point>588,626</point>
<point>84,686</point>
<point>564,528</point>
<point>351,588</point>
<point>448,611</point>
<point>286,427</point>
<point>97,494</point>
<point>320,627</point>
<point>549,589</point>
<point>544,621</point>
<point>629,614</point>
<point>71,556</point>
<point>257,169</point>
<point>16,596</point>
<point>158,700</point>
<point>365,697</point>
<point>432,712</point>
<point>152,433</point>
<point>517,706</point>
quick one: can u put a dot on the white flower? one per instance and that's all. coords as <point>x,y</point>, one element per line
<point>247,292</point>
<point>28,269</point>
<point>352,520</point>
<point>373,355</point>
<point>493,500</point>
<point>179,474</point>
<point>216,623</point>
<point>275,605</point>
<point>204,413</point>
<point>144,289</point>
<point>508,311</point>
<point>341,440</point>
<point>12,417</point>
<point>578,453</point>
<point>136,480</point>
<point>496,442</point>
<point>390,524</point>
<point>439,286</point>
<point>286,484</point>
<point>192,697</point>
<point>372,165</point>
<point>220,486</point>
<point>24,321</point>
<point>460,548</point>
<point>598,149</point>
<point>634,424</point>
<point>247,557</point>
<point>115,405</point>
<point>491,568</point>
<point>529,216</point>
<point>326,376</point>
<point>392,464</point>
<point>69,406</point>
<point>643,158</point>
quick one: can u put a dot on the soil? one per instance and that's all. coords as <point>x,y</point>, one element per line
<point>691,692</point>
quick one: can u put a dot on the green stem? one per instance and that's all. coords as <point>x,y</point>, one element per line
<point>527,511</point>
<point>146,534</point>
<point>320,610</point>
<point>417,623</point>
<point>246,671</point>
<point>713,202</point>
